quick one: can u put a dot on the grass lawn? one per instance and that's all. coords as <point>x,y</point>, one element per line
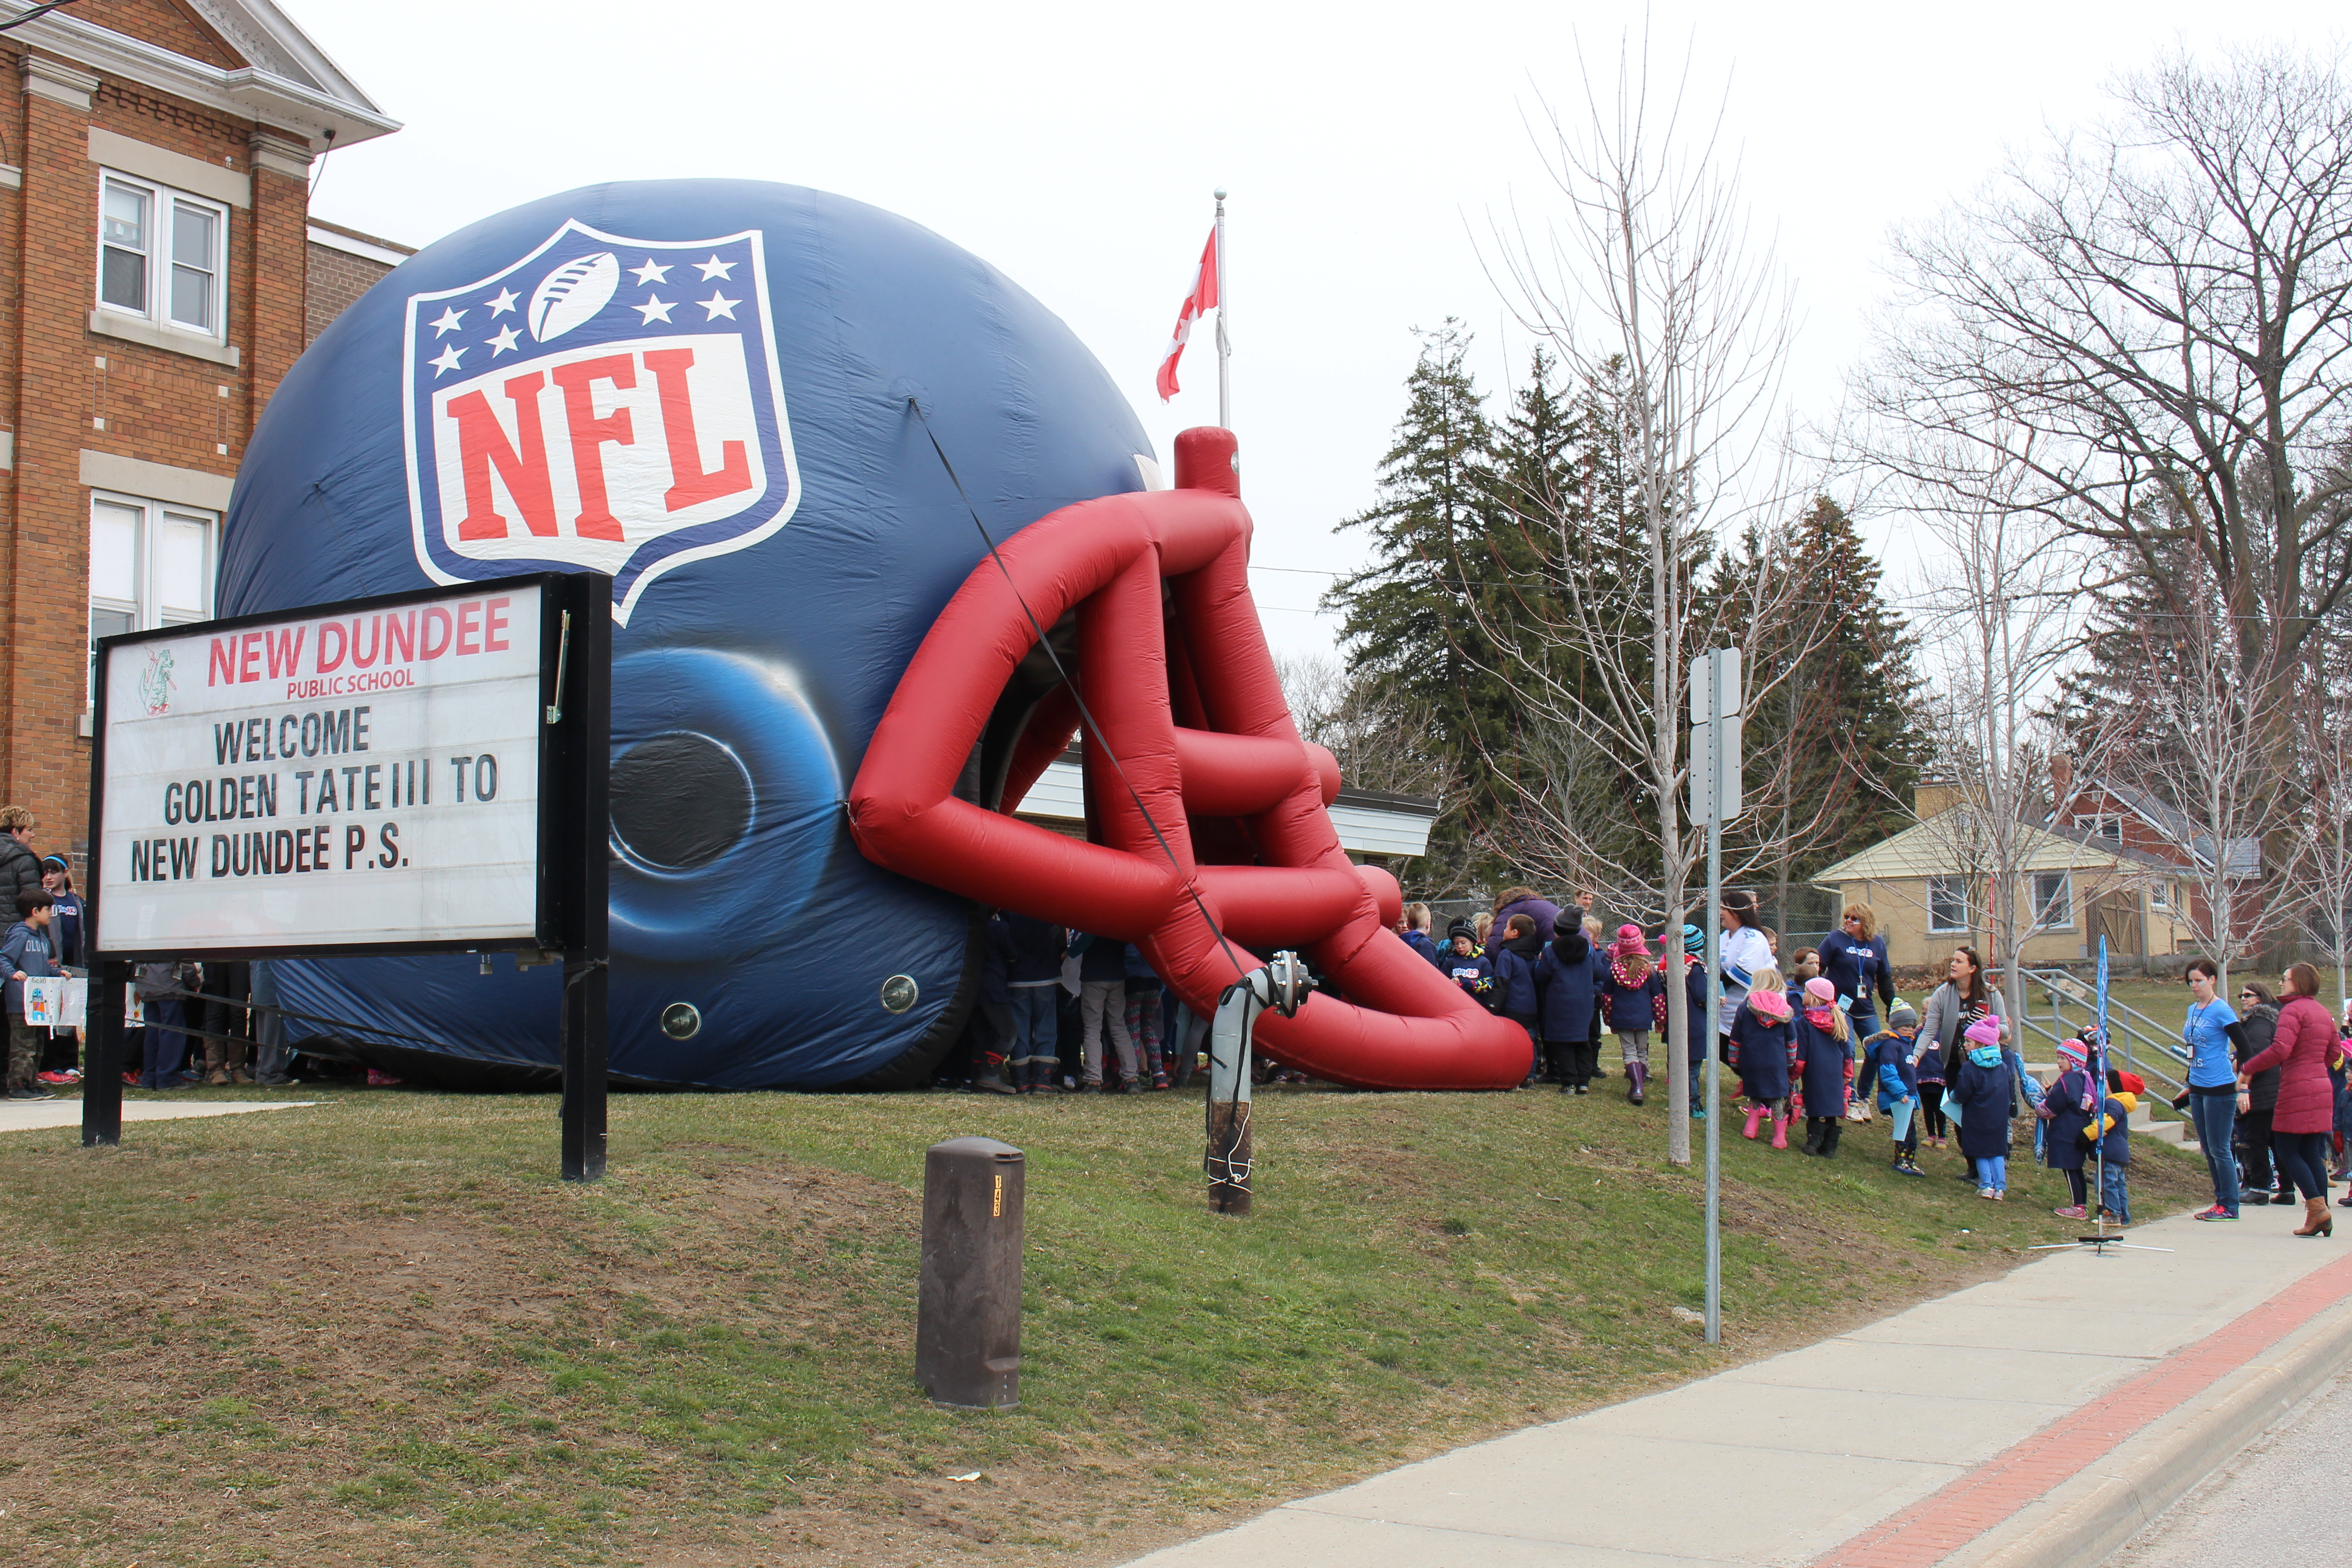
<point>379,1331</point>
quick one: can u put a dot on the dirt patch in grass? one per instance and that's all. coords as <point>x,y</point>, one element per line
<point>381,1333</point>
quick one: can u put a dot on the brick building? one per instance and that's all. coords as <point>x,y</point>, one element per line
<point>157,247</point>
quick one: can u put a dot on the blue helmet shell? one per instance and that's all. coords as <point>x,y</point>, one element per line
<point>760,633</point>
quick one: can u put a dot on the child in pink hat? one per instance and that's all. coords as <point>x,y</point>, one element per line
<point>1633,995</point>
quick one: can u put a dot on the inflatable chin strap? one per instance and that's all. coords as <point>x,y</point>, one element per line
<point>1207,812</point>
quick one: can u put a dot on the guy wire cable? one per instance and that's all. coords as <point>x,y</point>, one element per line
<point>1086,715</point>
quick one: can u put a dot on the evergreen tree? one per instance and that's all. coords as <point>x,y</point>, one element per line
<point>1407,616</point>
<point>1844,726</point>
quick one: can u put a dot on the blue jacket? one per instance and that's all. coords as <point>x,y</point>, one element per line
<point>1474,975</point>
<point>1100,957</point>
<point>1701,1026</point>
<point>1140,975</point>
<point>1422,943</point>
<point>1826,1060</point>
<point>2068,1120</point>
<point>1761,1053</point>
<point>26,947</point>
<point>1857,968</point>
<point>1564,988</point>
<point>1981,1089</point>
<point>1515,981</point>
<point>2117,1141</point>
<point>1036,951</point>
<point>998,965</point>
<point>1631,1007</point>
<point>1889,1055</point>
<point>65,929</point>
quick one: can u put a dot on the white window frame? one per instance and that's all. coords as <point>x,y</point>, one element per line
<point>2041,906</point>
<point>163,201</point>
<point>2108,825</point>
<point>1961,885</point>
<point>2160,896</point>
<point>146,608</point>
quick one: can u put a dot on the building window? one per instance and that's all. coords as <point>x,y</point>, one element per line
<point>161,254</point>
<point>2160,895</point>
<point>2053,899</point>
<point>151,565</point>
<point>2110,828</point>
<point>1948,903</point>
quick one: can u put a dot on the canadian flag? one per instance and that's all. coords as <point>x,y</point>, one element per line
<point>1198,303</point>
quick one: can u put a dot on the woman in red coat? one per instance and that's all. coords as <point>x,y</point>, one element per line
<point>2306,1099</point>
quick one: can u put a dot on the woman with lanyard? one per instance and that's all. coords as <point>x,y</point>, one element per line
<point>1854,960</point>
<point>2216,1041</point>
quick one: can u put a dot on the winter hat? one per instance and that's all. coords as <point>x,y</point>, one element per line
<point>1901,1015</point>
<point>1694,939</point>
<point>2072,1051</point>
<point>1769,1005</point>
<point>1630,942</point>
<point>1985,1031</point>
<point>1463,928</point>
<point>1820,991</point>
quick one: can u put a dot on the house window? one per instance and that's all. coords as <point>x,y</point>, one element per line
<point>161,254</point>
<point>1948,903</point>
<point>2110,828</point>
<point>2053,899</point>
<point>2160,895</point>
<point>150,565</point>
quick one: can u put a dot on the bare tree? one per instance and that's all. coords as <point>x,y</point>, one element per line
<point>1999,624</point>
<point>1643,272</point>
<point>2148,330</point>
<point>2327,860</point>
<point>1384,737</point>
<point>2196,738</point>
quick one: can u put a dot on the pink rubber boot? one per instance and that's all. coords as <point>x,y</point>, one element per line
<point>1755,1116</point>
<point>1779,1132</point>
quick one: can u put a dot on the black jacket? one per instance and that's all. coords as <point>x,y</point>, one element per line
<point>2261,1023</point>
<point>20,872</point>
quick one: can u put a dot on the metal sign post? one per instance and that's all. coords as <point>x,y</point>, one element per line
<point>1715,712</point>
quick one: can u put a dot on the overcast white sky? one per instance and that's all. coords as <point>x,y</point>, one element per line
<point>1075,146</point>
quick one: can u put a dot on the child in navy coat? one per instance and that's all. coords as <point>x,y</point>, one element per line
<point>1515,956</point>
<point>1761,1045</point>
<point>1566,1005</point>
<point>1465,964</point>
<point>1825,1047</point>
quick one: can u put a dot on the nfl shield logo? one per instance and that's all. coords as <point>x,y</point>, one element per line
<point>606,403</point>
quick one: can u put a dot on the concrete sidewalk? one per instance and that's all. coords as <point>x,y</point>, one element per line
<point>23,1115</point>
<point>2040,1418</point>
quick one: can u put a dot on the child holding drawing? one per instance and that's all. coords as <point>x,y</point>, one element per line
<point>25,955</point>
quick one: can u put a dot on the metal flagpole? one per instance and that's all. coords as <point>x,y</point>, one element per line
<point>1224,348</point>
<point>1713,996</point>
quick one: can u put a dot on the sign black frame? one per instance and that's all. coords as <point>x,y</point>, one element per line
<point>573,893</point>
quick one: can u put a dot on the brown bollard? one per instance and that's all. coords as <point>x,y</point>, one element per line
<point>967,1312</point>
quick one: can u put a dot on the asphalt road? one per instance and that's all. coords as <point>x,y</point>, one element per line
<point>2281,1501</point>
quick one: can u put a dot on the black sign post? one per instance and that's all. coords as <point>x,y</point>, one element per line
<point>570,915</point>
<point>584,777</point>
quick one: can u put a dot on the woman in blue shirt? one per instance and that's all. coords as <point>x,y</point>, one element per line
<point>1853,959</point>
<point>2212,1098</point>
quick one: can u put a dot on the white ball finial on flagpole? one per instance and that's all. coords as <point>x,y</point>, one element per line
<point>1219,192</point>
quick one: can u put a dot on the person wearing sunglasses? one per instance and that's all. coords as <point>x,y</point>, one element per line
<point>1854,960</point>
<point>2258,1016</point>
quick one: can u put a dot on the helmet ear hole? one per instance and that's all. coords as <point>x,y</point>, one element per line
<point>679,800</point>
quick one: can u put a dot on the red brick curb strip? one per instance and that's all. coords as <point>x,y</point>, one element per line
<point>1991,1494</point>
